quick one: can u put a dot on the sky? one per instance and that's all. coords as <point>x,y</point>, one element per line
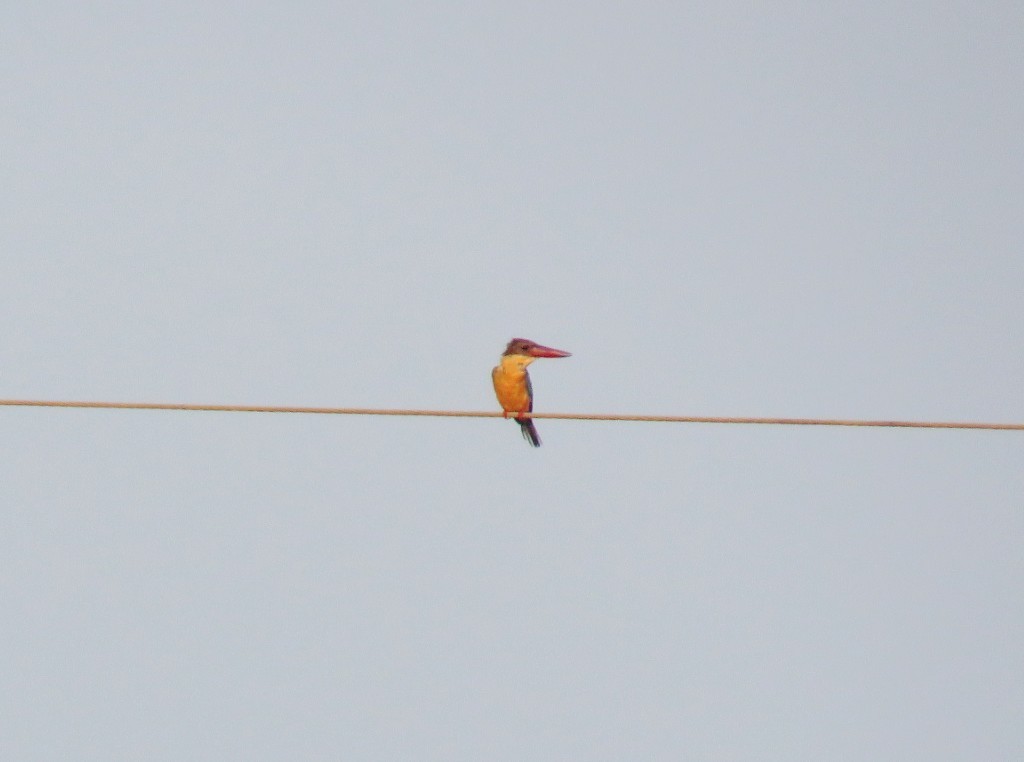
<point>721,209</point>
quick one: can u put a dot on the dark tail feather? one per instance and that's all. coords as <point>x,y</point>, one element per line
<point>529,431</point>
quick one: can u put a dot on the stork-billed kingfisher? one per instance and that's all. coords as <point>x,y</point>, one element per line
<point>512,382</point>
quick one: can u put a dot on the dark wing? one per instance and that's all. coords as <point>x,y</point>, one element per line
<point>529,430</point>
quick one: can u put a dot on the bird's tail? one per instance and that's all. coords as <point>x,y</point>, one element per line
<point>529,431</point>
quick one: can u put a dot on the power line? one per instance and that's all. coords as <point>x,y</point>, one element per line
<point>491,414</point>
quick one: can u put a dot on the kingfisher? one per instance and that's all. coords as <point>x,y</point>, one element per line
<point>512,383</point>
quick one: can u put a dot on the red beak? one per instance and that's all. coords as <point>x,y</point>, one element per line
<point>539,350</point>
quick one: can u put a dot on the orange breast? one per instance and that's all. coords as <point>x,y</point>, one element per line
<point>511,389</point>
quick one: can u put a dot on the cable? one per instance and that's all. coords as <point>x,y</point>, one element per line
<point>490,414</point>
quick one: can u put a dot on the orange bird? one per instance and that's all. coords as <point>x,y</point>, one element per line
<point>512,382</point>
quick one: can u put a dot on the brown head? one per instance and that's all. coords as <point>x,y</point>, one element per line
<point>528,348</point>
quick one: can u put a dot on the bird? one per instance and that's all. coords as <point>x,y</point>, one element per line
<point>512,383</point>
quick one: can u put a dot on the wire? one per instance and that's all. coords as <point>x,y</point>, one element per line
<point>490,414</point>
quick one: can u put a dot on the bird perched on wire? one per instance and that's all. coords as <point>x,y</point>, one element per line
<point>512,383</point>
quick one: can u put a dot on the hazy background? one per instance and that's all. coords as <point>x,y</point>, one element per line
<point>811,210</point>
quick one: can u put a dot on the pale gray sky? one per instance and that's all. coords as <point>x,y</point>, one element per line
<point>720,209</point>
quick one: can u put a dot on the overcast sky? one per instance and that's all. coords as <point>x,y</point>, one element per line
<point>718,208</point>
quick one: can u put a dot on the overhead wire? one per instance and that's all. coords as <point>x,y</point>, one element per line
<point>183,406</point>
